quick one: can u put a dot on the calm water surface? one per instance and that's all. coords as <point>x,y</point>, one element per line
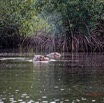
<point>76,78</point>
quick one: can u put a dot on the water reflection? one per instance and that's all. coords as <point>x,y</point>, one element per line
<point>73,79</point>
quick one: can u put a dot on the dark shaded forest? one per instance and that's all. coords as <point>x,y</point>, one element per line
<point>48,25</point>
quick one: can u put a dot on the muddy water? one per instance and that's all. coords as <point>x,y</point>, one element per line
<point>75,78</point>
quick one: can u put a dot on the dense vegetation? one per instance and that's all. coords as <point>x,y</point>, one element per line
<point>18,19</point>
<point>66,25</point>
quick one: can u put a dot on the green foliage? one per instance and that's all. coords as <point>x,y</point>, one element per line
<point>71,16</point>
<point>61,16</point>
<point>22,14</point>
<point>19,18</point>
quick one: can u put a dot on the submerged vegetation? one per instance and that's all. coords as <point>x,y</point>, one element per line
<point>52,25</point>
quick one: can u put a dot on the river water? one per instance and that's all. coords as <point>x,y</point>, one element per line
<point>75,78</point>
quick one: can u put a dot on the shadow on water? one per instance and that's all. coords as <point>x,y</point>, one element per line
<point>75,78</point>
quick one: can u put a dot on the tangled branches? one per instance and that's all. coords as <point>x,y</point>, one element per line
<point>48,43</point>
